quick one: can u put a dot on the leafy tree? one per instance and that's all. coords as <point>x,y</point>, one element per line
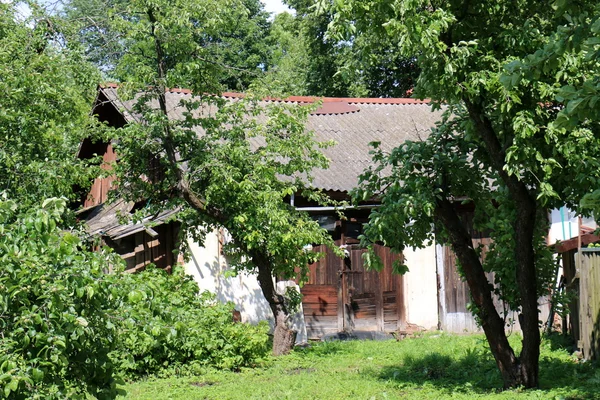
<point>503,71</point>
<point>288,58</point>
<point>239,47</point>
<point>325,57</point>
<point>306,61</point>
<point>231,165</point>
<point>45,92</point>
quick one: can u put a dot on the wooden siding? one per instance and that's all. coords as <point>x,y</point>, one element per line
<point>457,295</point>
<point>454,295</point>
<point>98,194</point>
<point>140,249</point>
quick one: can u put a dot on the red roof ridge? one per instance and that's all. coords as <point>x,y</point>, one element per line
<point>303,99</point>
<point>359,100</point>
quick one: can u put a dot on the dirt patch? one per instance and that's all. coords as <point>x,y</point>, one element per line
<point>202,384</point>
<point>297,371</point>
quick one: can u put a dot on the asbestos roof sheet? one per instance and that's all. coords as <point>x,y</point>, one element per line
<point>353,123</point>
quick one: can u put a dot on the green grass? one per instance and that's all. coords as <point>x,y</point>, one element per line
<point>435,366</point>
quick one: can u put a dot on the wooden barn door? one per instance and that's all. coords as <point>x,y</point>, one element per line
<point>454,294</point>
<point>372,300</point>
<point>322,296</point>
<point>341,295</point>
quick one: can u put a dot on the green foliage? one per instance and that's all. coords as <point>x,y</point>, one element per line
<point>45,96</point>
<point>55,309</point>
<point>166,327</point>
<point>69,329</point>
<point>305,60</point>
<point>227,39</point>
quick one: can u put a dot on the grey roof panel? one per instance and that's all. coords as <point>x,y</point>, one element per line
<point>389,123</point>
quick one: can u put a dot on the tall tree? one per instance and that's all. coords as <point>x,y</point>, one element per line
<point>45,93</point>
<point>499,68</point>
<point>219,163</point>
<point>240,44</point>
<point>307,60</point>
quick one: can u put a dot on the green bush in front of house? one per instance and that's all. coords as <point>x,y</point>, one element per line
<point>68,330</point>
<point>167,327</point>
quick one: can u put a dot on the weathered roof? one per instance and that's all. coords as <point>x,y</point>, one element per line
<point>352,123</point>
<point>106,220</point>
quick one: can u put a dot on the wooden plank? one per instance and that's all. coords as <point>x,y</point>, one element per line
<point>440,269</point>
<point>317,298</point>
<point>378,302</point>
<point>317,311</point>
<point>139,250</point>
<point>313,288</point>
<point>589,302</point>
<point>341,297</point>
<point>449,283</point>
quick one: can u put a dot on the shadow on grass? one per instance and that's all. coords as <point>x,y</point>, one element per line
<point>558,341</point>
<point>476,371</point>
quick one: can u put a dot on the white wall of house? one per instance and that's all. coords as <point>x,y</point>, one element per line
<point>209,269</point>
<point>563,225</point>
<point>420,287</point>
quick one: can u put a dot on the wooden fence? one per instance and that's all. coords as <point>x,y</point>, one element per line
<point>582,273</point>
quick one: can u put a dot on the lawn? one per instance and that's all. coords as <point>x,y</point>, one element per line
<point>434,366</point>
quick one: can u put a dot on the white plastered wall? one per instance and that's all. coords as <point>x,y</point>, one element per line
<point>208,267</point>
<point>420,287</point>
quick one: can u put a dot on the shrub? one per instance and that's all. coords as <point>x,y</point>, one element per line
<point>166,326</point>
<point>68,330</point>
<point>55,330</point>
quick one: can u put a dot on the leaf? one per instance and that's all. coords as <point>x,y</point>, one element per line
<point>573,104</point>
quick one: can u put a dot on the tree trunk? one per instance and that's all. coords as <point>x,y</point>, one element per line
<point>524,226</point>
<point>481,291</point>
<point>527,283</point>
<point>284,338</point>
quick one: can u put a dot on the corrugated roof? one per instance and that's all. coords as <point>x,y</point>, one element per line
<point>353,123</point>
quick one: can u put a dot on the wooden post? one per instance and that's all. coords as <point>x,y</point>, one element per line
<point>379,302</point>
<point>341,308</point>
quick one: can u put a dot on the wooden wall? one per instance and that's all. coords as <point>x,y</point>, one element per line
<point>140,249</point>
<point>98,194</point>
<point>454,294</point>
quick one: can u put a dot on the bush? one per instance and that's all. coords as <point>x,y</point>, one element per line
<point>168,327</point>
<point>68,330</point>
<point>55,330</point>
